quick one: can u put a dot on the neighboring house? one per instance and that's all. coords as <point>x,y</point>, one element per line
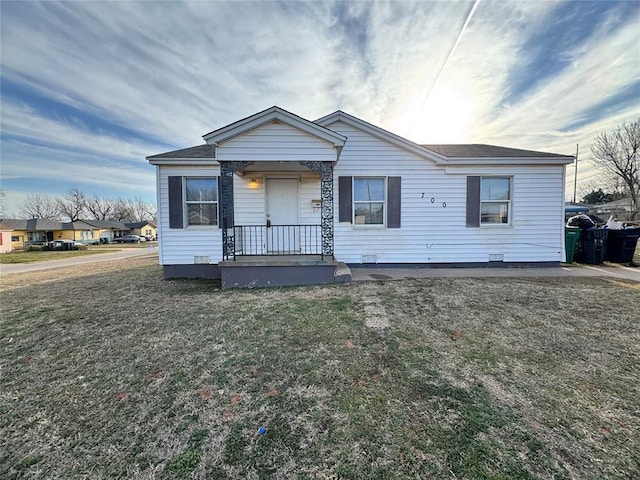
<point>145,228</point>
<point>79,230</point>
<point>107,230</point>
<point>33,231</point>
<point>618,208</point>
<point>275,199</point>
<point>37,231</point>
<point>5,238</point>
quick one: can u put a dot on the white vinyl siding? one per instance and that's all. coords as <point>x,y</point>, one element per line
<point>434,210</point>
<point>276,142</point>
<point>181,246</point>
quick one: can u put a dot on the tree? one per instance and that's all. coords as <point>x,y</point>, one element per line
<point>617,152</point>
<point>596,197</point>
<point>99,208</point>
<point>72,205</point>
<point>40,206</point>
<point>3,196</point>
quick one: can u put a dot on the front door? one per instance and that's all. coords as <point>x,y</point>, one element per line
<point>282,216</point>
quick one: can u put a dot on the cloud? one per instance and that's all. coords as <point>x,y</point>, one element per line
<point>122,80</point>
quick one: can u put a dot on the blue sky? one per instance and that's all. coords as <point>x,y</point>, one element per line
<point>91,88</point>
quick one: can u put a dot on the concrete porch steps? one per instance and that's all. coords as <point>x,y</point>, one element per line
<point>250,272</point>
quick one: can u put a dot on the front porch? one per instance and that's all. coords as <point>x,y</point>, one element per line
<point>277,225</point>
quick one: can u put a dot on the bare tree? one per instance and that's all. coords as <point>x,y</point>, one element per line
<point>133,210</point>
<point>3,196</point>
<point>99,208</point>
<point>72,205</point>
<point>617,152</point>
<point>40,206</point>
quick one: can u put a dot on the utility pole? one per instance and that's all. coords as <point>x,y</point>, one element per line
<point>575,178</point>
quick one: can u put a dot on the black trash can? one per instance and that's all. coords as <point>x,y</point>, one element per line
<point>621,245</point>
<point>592,246</point>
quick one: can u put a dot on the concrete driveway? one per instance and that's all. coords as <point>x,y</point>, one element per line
<point>6,269</point>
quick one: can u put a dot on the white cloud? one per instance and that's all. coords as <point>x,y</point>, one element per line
<point>170,72</point>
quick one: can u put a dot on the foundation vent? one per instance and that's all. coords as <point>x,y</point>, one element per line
<point>201,259</point>
<point>496,257</point>
<point>369,259</point>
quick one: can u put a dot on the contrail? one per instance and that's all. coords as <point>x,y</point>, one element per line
<point>451,52</point>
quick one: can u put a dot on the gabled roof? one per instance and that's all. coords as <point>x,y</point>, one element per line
<point>476,150</point>
<point>4,227</point>
<point>140,224</point>
<point>381,133</point>
<point>77,225</point>
<point>199,152</point>
<point>107,224</point>
<point>270,115</point>
<point>14,223</point>
<point>32,224</point>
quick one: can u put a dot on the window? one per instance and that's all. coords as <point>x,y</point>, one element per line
<point>15,238</point>
<point>369,200</point>
<point>201,200</point>
<point>495,200</point>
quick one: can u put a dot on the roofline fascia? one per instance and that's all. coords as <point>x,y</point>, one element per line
<point>379,133</point>
<point>481,161</point>
<point>182,161</point>
<point>266,116</point>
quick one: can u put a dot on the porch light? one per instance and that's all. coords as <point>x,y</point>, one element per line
<point>253,183</point>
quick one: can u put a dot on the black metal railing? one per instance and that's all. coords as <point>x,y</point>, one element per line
<point>253,240</point>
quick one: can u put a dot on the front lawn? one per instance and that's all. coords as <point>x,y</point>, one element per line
<point>120,374</point>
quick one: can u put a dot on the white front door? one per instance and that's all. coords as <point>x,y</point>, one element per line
<point>282,216</point>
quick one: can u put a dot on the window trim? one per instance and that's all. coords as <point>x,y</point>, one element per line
<point>186,203</point>
<point>509,203</point>
<point>385,202</point>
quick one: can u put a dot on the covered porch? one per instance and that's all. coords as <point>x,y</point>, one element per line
<point>277,224</point>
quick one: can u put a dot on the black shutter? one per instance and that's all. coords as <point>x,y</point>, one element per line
<point>344,199</point>
<point>473,202</point>
<point>393,202</point>
<point>175,202</point>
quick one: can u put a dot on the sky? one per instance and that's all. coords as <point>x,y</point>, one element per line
<point>90,88</point>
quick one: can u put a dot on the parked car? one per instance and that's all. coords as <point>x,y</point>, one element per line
<point>64,244</point>
<point>127,239</point>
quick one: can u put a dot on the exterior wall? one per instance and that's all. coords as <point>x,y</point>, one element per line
<point>21,235</point>
<point>275,142</point>
<point>250,203</point>
<point>182,246</point>
<point>436,232</point>
<point>433,204</point>
<point>5,241</point>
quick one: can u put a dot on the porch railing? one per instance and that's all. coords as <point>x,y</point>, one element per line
<point>254,240</point>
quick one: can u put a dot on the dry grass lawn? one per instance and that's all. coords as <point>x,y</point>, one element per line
<point>112,372</point>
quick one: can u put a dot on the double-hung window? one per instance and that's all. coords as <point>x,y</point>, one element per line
<point>495,200</point>
<point>369,200</point>
<point>201,200</point>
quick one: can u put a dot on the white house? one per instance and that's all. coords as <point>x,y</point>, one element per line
<point>275,199</point>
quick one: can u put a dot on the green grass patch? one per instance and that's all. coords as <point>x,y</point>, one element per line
<point>43,255</point>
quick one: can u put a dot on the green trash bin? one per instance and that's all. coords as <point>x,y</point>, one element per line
<point>571,237</point>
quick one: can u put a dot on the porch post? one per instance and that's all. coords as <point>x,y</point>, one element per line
<point>227,169</point>
<point>326,210</point>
